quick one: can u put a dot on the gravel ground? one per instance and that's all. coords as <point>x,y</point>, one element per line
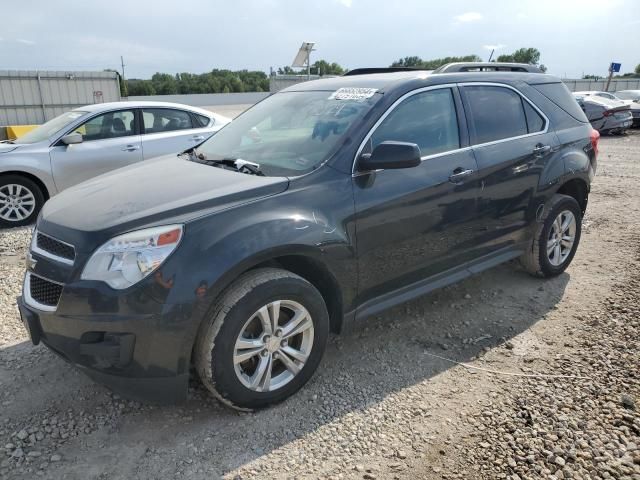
<point>388,400</point>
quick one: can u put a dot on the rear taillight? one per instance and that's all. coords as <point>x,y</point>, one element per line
<point>595,137</point>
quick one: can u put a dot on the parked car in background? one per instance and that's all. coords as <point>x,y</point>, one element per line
<point>633,95</point>
<point>597,93</point>
<point>89,141</point>
<point>606,116</point>
<point>331,200</point>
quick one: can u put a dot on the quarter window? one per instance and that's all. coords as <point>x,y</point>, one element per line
<point>535,123</point>
<point>497,113</point>
<point>427,119</point>
<point>108,125</point>
<point>165,120</point>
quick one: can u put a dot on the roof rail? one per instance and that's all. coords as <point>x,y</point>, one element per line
<point>369,70</point>
<point>487,67</point>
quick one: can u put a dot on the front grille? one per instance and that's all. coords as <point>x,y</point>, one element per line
<point>55,247</point>
<point>43,291</point>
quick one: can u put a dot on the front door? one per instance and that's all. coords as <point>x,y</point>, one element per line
<point>416,222</point>
<point>109,141</point>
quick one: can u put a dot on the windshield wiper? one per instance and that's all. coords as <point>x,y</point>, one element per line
<point>7,141</point>
<point>238,164</point>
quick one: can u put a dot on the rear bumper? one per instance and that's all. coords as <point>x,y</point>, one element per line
<point>128,354</point>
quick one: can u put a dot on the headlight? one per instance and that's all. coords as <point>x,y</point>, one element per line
<point>127,259</point>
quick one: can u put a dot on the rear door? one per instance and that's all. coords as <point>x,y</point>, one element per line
<point>416,222</point>
<point>512,144</point>
<point>109,141</point>
<point>170,130</point>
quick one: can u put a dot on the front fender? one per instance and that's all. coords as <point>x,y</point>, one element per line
<point>312,220</point>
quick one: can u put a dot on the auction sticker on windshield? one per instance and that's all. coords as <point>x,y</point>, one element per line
<point>354,93</point>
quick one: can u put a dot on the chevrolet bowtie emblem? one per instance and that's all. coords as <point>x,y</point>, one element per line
<point>30,261</point>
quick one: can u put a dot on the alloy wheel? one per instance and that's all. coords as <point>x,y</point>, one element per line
<point>273,346</point>
<point>17,202</point>
<point>562,236</point>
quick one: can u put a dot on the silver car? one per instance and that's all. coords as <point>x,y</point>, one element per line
<point>89,141</point>
<point>606,116</point>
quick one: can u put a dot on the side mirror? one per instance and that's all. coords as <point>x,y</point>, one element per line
<point>391,155</point>
<point>72,138</point>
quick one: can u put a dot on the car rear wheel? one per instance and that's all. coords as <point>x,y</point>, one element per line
<point>20,201</point>
<point>557,238</point>
<point>264,340</point>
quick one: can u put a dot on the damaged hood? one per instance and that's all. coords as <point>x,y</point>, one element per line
<point>164,190</point>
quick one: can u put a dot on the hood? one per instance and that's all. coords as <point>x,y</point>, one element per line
<point>164,190</point>
<point>8,147</point>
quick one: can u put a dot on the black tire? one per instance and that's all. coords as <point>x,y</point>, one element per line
<point>216,343</point>
<point>10,217</point>
<point>536,261</point>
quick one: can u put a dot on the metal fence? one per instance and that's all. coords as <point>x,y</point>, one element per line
<point>33,97</point>
<point>600,85</point>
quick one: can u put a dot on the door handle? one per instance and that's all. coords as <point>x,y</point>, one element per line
<point>459,175</point>
<point>197,138</point>
<point>131,148</point>
<point>541,149</point>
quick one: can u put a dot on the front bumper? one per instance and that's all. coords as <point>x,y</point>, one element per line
<point>129,354</point>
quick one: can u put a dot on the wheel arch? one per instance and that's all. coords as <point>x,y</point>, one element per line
<point>32,177</point>
<point>578,189</point>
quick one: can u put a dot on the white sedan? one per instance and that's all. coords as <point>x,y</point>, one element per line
<point>89,141</point>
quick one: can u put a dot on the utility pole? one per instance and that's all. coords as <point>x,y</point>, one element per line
<point>124,82</point>
<point>491,56</point>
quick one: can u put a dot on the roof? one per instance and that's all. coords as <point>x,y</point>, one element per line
<point>100,107</point>
<point>385,82</point>
<point>487,66</point>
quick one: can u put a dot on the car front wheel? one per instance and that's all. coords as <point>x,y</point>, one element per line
<point>20,201</point>
<point>264,340</point>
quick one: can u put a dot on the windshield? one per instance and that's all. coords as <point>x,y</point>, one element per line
<point>290,133</point>
<point>45,130</point>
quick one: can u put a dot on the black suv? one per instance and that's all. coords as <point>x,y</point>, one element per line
<point>331,200</point>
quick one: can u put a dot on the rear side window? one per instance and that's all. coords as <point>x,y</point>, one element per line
<point>427,119</point>
<point>165,120</point>
<point>559,94</point>
<point>496,113</point>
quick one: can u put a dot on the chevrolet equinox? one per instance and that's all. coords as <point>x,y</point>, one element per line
<point>331,200</point>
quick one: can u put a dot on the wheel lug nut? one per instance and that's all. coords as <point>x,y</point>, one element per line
<point>275,355</point>
<point>283,343</point>
<point>279,332</point>
<point>264,353</point>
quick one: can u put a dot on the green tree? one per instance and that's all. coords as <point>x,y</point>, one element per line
<point>522,55</point>
<point>417,62</point>
<point>322,67</point>
<point>637,70</point>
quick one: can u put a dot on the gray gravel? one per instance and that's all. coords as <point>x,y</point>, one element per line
<point>381,405</point>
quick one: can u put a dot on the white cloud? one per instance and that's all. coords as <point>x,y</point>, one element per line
<point>468,17</point>
<point>346,3</point>
<point>493,47</point>
<point>25,42</point>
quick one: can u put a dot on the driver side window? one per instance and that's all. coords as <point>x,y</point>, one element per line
<point>427,119</point>
<point>108,125</point>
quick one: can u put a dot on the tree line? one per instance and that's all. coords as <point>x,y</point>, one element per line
<point>215,81</point>
<point>228,81</point>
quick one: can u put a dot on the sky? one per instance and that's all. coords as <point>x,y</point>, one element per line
<point>575,37</point>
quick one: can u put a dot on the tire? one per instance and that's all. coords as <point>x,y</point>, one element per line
<point>239,384</point>
<point>20,201</point>
<point>538,261</point>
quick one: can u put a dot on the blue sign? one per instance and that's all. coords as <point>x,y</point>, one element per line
<point>615,67</point>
